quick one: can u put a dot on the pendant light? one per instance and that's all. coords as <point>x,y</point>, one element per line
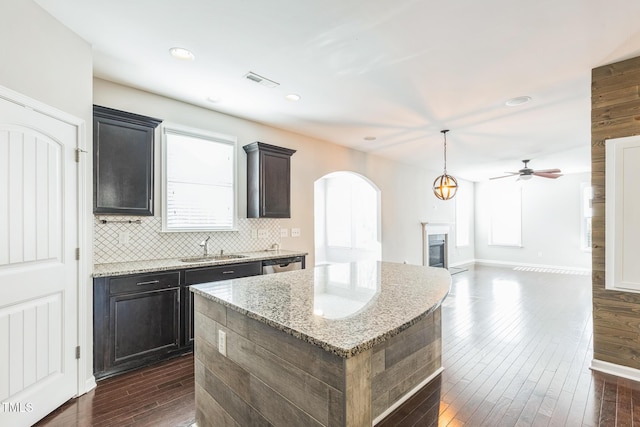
<point>445,186</point>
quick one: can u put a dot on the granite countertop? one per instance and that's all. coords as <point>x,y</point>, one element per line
<point>343,308</point>
<point>134,267</point>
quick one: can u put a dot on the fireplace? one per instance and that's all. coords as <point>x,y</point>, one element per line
<point>437,253</point>
<point>435,242</point>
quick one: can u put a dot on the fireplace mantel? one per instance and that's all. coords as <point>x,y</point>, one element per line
<point>436,227</point>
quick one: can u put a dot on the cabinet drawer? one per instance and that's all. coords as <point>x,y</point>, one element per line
<point>222,272</point>
<point>143,282</point>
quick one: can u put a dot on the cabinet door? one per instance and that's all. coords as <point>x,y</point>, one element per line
<point>189,333</point>
<point>211,274</point>
<point>144,325</point>
<point>123,162</point>
<point>268,180</point>
<point>275,185</point>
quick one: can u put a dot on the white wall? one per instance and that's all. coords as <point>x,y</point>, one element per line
<point>407,198</point>
<point>44,60</point>
<point>464,254</point>
<point>551,224</point>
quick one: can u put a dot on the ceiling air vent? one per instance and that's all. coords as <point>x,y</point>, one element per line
<point>259,79</point>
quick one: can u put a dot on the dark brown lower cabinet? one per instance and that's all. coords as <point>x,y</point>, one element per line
<point>136,321</point>
<point>144,324</point>
<point>211,274</point>
<point>140,319</point>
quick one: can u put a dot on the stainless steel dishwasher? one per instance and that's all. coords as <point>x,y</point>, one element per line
<point>270,266</point>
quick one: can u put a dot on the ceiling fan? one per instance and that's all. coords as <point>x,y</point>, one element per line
<point>526,173</point>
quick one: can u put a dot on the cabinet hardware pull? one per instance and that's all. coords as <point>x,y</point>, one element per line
<point>228,272</point>
<point>150,282</point>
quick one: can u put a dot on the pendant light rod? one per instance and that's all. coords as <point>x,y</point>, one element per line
<point>444,133</point>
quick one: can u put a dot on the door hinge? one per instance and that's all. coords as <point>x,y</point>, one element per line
<point>78,352</point>
<point>77,253</point>
<point>78,151</point>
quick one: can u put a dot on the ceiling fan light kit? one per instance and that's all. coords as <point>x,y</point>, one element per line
<point>445,186</point>
<point>526,173</point>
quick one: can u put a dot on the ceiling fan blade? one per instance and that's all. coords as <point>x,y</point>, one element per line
<point>506,176</point>
<point>548,171</point>
<point>547,175</point>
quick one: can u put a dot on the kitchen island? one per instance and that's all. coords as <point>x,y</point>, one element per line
<point>337,345</point>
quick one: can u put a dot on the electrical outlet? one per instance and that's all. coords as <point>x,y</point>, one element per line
<point>254,233</point>
<point>262,233</point>
<point>222,342</point>
<point>295,232</point>
<point>123,238</point>
<point>284,232</point>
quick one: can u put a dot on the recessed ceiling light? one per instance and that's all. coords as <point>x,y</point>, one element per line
<point>292,97</point>
<point>519,100</point>
<point>369,138</point>
<point>182,53</point>
<point>214,99</point>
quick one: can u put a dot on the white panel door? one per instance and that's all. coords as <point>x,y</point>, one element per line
<point>623,214</point>
<point>38,269</point>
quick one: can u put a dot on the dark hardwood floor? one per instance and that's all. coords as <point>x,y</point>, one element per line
<point>516,351</point>
<point>158,395</point>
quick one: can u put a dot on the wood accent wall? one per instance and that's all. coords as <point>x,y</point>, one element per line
<point>402,362</point>
<point>615,113</point>
<point>270,378</point>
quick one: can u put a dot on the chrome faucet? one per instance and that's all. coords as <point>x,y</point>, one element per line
<point>205,245</point>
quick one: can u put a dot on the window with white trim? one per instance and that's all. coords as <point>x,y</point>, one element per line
<point>505,217</point>
<point>199,180</point>
<point>351,212</point>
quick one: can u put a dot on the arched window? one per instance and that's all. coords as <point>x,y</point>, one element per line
<point>347,218</point>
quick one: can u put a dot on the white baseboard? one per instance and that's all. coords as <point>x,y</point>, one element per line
<point>524,264</point>
<point>613,369</point>
<point>462,263</point>
<point>406,397</point>
<point>90,384</point>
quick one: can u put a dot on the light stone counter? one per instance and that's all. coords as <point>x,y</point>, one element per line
<point>343,308</point>
<point>135,267</point>
<point>338,345</point>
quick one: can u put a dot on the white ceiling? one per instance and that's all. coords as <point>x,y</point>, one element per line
<point>400,71</point>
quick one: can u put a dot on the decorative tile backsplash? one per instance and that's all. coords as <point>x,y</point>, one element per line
<point>121,242</point>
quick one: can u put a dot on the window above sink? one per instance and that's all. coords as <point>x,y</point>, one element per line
<point>198,180</point>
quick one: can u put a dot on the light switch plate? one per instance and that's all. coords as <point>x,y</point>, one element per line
<point>262,233</point>
<point>295,232</point>
<point>284,232</point>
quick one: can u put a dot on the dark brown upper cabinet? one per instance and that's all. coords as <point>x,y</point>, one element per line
<point>122,162</point>
<point>268,181</point>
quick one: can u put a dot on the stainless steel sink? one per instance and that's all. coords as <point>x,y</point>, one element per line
<point>212,258</point>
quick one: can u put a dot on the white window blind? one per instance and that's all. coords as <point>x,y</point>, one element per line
<point>199,181</point>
